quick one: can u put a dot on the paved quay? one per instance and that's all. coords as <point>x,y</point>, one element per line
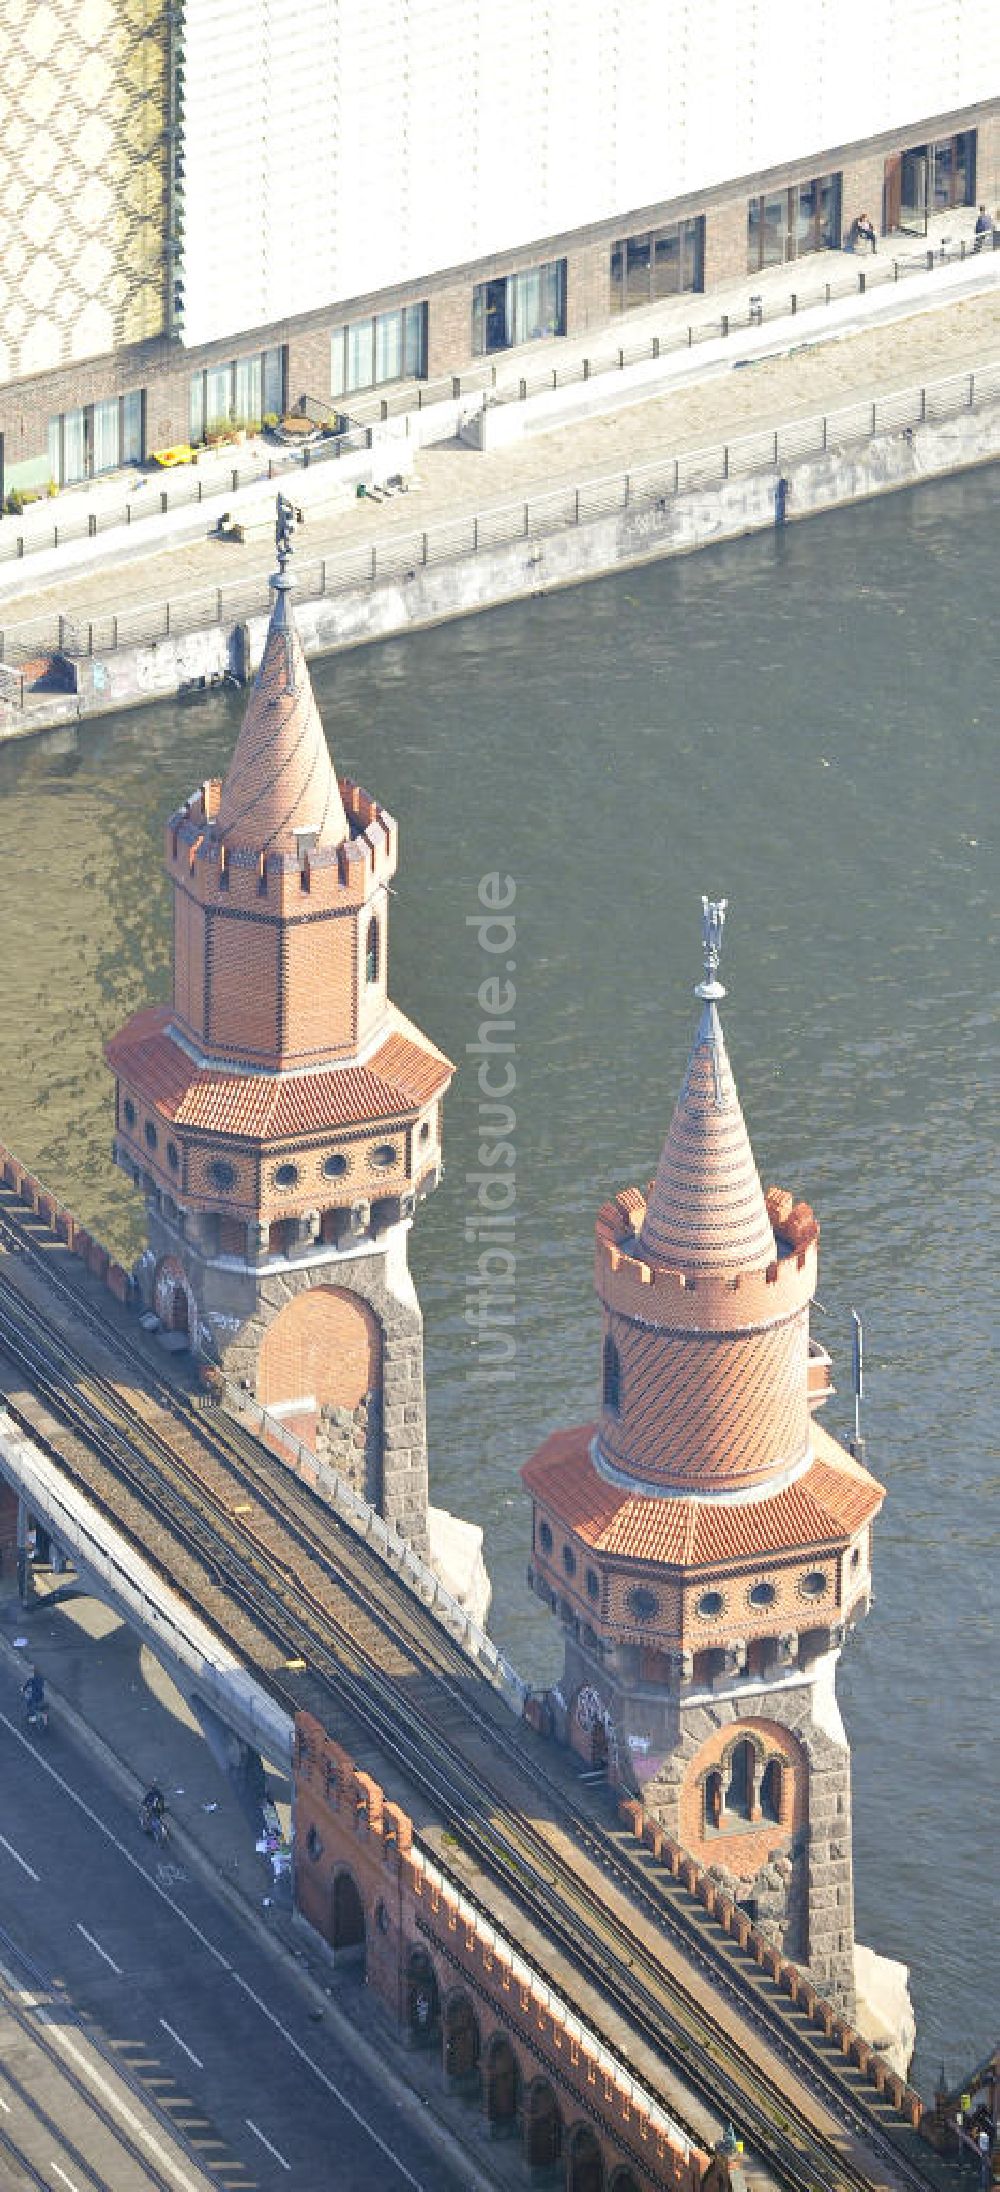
<point>894,338</point>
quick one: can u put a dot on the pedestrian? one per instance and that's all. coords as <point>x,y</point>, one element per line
<point>984,228</point>
<point>864,230</point>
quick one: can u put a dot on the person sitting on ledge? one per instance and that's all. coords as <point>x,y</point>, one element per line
<point>864,231</point>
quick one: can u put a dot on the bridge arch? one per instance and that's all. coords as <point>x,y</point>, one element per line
<point>624,2181</point>
<point>541,2126</point>
<point>173,1300</point>
<point>461,2044</point>
<point>588,1727</point>
<point>502,2087</point>
<point>320,1367</point>
<point>347,1918</point>
<point>584,2161</point>
<point>423,2000</point>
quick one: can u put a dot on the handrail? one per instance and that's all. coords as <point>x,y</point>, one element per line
<point>398,557</point>
<point>391,1546</point>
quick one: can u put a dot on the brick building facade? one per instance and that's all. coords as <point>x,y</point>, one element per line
<point>280,1115</point>
<point>153,290</point>
<point>706,1544</point>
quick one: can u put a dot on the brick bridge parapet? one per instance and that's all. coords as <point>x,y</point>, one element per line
<point>454,1982</point>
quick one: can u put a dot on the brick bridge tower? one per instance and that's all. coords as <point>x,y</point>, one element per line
<point>281,1116</point>
<point>706,1543</point>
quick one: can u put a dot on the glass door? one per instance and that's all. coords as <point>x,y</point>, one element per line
<point>913,191</point>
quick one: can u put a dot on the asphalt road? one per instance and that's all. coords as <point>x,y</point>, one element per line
<point>197,2052</point>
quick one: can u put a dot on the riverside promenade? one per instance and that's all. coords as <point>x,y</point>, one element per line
<point>787,361</point>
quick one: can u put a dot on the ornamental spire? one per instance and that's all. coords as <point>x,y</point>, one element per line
<point>281,783</point>
<point>713,921</point>
<point>706,1208</point>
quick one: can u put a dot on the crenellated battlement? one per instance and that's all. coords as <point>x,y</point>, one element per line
<point>345,1824</point>
<point>636,1285</point>
<point>333,878</point>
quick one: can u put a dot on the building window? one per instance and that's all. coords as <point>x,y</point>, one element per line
<point>371,953</point>
<point>98,437</point>
<point>612,1377</point>
<point>662,262</point>
<point>173,1159</point>
<point>384,346</point>
<point>710,1605</point>
<point>813,1585</point>
<point>151,1134</point>
<point>336,1166</point>
<point>929,179</point>
<point>286,1175</point>
<point>788,224</point>
<point>545,1536</point>
<point>222,1174</point>
<point>241,393</point>
<point>761,1594</point>
<point>519,308</point>
<point>569,1560</point>
<point>771,1791</point>
<point>128,1111</point>
<point>643,1605</point>
<point>739,1794</point>
<point>593,1583</point>
<point>384,1157</point>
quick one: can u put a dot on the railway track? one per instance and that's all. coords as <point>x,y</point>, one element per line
<point>307,1585</point>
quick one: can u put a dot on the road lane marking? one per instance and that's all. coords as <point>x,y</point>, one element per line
<point>57,2172</point>
<point>216,1953</point>
<point>5,2105</point>
<point>18,1859</point>
<point>258,2134</point>
<point>101,1951</point>
<point>57,2032</point>
<point>189,2051</point>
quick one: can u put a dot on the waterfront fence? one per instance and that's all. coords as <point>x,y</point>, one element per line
<point>398,558</point>
<point>848,280</point>
<point>190,485</point>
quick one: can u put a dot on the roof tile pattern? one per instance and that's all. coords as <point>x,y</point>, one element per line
<point>717,1412</point>
<point>401,1075</point>
<point>706,1208</point>
<point>827,1505</point>
<point>281,778</point>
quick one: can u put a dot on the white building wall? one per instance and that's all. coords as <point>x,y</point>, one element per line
<point>334,147</point>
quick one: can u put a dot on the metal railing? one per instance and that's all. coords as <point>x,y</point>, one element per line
<point>188,485</point>
<point>400,558</point>
<point>847,281</point>
<point>391,1546</point>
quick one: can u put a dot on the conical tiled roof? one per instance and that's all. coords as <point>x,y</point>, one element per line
<point>281,779</point>
<point>706,1208</point>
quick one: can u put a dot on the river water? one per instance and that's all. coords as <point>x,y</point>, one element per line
<point>805,723</point>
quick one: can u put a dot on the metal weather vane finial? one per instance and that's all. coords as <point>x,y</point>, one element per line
<point>713,921</point>
<point>283,530</point>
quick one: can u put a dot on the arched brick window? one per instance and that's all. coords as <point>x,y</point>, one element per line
<point>585,2171</point>
<point>713,1801</point>
<point>612,1376</point>
<point>739,1794</point>
<point>771,1790</point>
<point>503,2085</point>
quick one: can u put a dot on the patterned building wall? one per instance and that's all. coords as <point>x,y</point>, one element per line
<point>440,132</point>
<point>83,202</point>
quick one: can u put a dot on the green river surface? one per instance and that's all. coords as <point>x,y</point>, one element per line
<point>805,723</point>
